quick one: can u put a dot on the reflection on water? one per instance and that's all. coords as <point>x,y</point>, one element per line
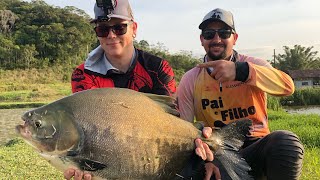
<point>9,118</point>
<point>303,110</point>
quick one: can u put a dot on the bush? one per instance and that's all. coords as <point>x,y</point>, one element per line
<point>302,97</point>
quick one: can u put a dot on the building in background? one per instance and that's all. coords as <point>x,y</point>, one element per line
<point>305,78</point>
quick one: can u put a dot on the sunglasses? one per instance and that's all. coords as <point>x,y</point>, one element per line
<point>118,29</point>
<point>210,33</point>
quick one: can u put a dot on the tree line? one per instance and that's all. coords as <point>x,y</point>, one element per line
<point>37,35</point>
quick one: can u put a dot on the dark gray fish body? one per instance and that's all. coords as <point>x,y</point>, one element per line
<point>116,134</point>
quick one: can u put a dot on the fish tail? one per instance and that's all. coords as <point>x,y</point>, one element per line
<point>227,157</point>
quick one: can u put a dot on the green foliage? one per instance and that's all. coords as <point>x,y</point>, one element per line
<point>273,103</point>
<point>180,62</point>
<point>7,20</point>
<point>301,97</point>
<point>44,36</point>
<point>298,57</point>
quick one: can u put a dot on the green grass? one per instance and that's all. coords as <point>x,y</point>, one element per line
<point>32,86</point>
<point>35,93</point>
<point>307,127</point>
<point>311,164</point>
<point>15,105</point>
<point>19,161</point>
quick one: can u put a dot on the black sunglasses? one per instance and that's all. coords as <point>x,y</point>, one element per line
<point>210,33</point>
<point>118,29</point>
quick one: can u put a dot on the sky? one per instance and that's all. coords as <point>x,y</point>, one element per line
<point>263,26</point>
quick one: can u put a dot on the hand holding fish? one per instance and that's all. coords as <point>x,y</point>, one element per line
<point>203,150</point>
<point>77,174</point>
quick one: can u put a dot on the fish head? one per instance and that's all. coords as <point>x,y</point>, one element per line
<point>50,130</point>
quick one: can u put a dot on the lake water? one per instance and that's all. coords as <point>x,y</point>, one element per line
<point>9,118</point>
<point>303,110</point>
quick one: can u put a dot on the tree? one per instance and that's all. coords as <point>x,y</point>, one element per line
<point>60,36</point>
<point>298,57</point>
<point>143,45</point>
<point>7,21</point>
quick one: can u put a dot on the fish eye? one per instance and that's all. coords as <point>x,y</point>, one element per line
<point>38,123</point>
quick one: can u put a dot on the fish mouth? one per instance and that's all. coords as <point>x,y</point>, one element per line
<point>24,131</point>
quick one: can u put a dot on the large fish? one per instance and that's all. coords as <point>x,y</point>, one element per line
<point>119,133</point>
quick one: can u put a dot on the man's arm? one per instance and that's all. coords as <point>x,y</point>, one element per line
<point>164,84</point>
<point>185,95</point>
<point>270,80</point>
<point>254,72</point>
<point>81,81</point>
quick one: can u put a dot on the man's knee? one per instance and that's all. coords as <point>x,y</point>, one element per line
<point>285,154</point>
<point>287,140</point>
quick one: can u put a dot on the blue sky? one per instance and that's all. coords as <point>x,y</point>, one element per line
<point>262,25</point>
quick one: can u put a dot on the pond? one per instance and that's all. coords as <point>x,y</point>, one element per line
<point>303,109</point>
<point>9,119</point>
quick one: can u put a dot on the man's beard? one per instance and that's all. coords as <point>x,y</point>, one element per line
<point>222,55</point>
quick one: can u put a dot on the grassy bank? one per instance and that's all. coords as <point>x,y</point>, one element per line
<point>31,88</point>
<point>19,161</point>
<point>307,127</point>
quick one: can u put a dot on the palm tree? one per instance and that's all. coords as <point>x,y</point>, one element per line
<point>298,58</point>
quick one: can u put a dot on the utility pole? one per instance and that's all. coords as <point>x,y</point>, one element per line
<point>274,58</point>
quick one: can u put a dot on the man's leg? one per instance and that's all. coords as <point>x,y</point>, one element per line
<point>278,155</point>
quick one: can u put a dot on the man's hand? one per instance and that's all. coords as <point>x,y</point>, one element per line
<point>223,70</point>
<point>77,174</point>
<point>203,150</point>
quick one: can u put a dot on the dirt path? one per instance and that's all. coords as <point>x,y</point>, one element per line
<point>9,118</point>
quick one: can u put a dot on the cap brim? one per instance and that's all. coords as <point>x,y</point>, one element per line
<point>120,17</point>
<point>112,16</point>
<point>93,21</point>
<point>205,23</point>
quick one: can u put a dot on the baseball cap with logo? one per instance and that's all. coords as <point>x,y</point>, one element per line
<point>122,10</point>
<point>218,15</point>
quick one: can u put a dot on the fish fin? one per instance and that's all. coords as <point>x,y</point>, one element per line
<point>194,169</point>
<point>235,133</point>
<point>88,165</point>
<point>233,136</point>
<point>72,153</point>
<point>167,103</point>
<point>198,171</point>
<point>232,166</point>
<point>199,125</point>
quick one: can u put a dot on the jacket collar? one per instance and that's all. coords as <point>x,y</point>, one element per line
<point>97,62</point>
